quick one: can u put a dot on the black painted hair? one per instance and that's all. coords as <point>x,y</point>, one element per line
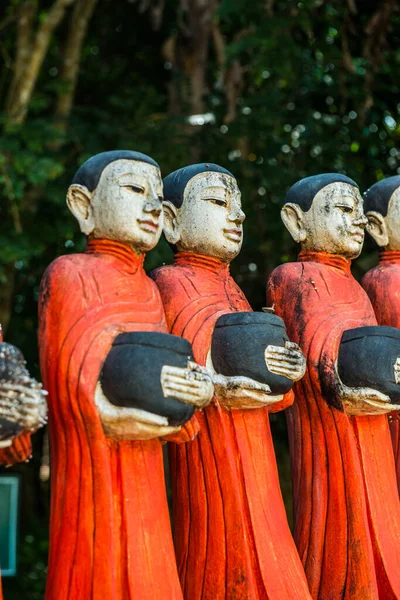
<point>378,196</point>
<point>89,173</point>
<point>304,191</point>
<point>175,183</point>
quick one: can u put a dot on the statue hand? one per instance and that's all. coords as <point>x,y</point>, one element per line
<point>365,401</point>
<point>242,392</point>
<point>288,361</point>
<point>121,423</point>
<point>192,386</point>
<point>23,404</point>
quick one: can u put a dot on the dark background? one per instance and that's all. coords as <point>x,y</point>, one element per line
<point>283,89</point>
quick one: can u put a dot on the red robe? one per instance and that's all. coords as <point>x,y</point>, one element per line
<point>231,534</point>
<point>110,535</point>
<point>382,285</point>
<point>347,511</point>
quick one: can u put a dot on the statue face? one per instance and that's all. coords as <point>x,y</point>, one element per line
<point>127,204</point>
<point>210,220</point>
<point>335,222</point>
<point>392,221</point>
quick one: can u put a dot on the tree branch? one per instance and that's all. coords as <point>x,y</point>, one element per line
<point>18,105</point>
<point>78,26</point>
<point>25,17</point>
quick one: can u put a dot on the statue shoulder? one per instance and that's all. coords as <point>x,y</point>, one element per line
<point>65,272</point>
<point>385,274</point>
<point>168,276</point>
<point>67,265</point>
<point>287,273</point>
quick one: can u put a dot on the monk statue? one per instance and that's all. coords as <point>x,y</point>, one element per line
<point>102,333</point>
<point>382,283</point>
<point>231,534</point>
<point>22,407</point>
<point>347,511</point>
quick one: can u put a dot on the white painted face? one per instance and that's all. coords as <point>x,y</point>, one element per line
<point>392,220</point>
<point>127,204</point>
<point>335,223</point>
<point>210,220</point>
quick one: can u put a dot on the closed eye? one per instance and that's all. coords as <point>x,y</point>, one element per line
<point>346,209</point>
<point>217,201</point>
<point>138,189</point>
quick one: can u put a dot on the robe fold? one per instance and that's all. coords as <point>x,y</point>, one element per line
<point>382,284</point>
<point>231,534</point>
<point>347,511</point>
<point>20,450</point>
<point>110,535</point>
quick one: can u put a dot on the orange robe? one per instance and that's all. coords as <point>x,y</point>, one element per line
<point>231,534</point>
<point>347,511</point>
<point>110,535</point>
<point>20,450</point>
<point>382,284</point>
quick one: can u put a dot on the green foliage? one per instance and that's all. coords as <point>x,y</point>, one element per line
<point>32,564</point>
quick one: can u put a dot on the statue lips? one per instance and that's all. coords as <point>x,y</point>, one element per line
<point>149,225</point>
<point>358,236</point>
<point>234,234</point>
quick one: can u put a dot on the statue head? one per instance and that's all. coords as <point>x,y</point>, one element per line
<point>203,211</point>
<point>324,213</point>
<point>382,208</point>
<point>117,195</point>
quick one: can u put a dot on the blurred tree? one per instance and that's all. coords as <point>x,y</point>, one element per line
<point>272,89</point>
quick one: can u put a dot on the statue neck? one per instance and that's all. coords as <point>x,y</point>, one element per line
<point>203,262</point>
<point>331,260</point>
<point>123,252</point>
<point>389,256</point>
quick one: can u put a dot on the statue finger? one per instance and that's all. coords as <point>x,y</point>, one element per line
<point>292,345</point>
<point>187,398</point>
<point>177,371</point>
<point>193,366</point>
<point>182,387</point>
<point>283,364</point>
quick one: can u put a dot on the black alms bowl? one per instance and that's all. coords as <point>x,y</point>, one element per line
<point>366,359</point>
<point>238,347</point>
<point>131,375</point>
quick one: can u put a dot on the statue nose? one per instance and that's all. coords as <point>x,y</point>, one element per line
<point>362,221</point>
<point>153,206</point>
<point>237,216</point>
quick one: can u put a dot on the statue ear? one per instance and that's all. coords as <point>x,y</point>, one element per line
<point>292,217</point>
<point>377,228</point>
<point>79,203</point>
<point>171,231</point>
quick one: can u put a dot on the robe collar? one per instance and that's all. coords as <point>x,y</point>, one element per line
<point>389,256</point>
<point>123,252</point>
<point>332,260</point>
<point>203,262</point>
